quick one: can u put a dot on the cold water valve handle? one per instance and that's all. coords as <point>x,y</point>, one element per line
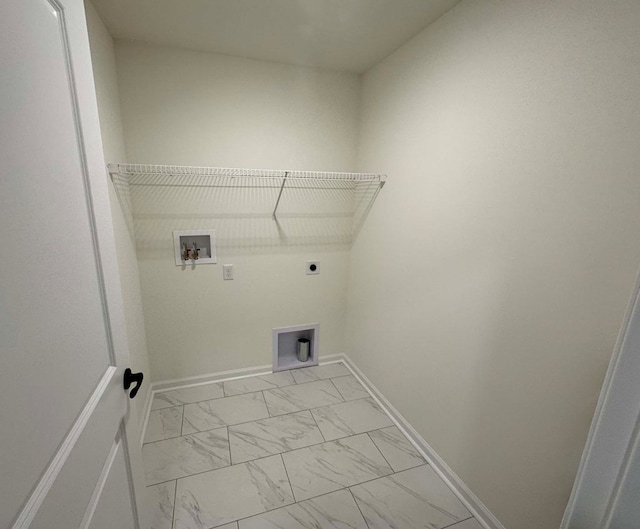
<point>130,378</point>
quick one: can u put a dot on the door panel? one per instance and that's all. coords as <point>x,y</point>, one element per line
<point>609,473</point>
<point>84,464</point>
<point>114,504</point>
<point>625,510</point>
<point>44,216</point>
<point>63,346</point>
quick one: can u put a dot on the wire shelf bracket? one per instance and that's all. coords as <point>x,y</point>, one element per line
<point>284,181</point>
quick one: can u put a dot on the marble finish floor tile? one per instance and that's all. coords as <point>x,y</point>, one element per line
<point>396,449</point>
<point>259,383</point>
<point>223,496</point>
<point>194,434</point>
<point>309,374</point>
<point>177,397</point>
<point>411,499</point>
<point>186,455</point>
<point>336,510</point>
<point>350,418</point>
<point>162,496</point>
<point>350,388</point>
<point>211,414</point>
<point>319,469</point>
<point>301,397</point>
<point>273,436</point>
<point>164,424</point>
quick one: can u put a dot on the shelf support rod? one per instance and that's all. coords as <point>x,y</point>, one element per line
<point>284,181</point>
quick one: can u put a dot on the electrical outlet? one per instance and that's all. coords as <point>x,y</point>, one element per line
<point>227,272</point>
<point>313,268</point>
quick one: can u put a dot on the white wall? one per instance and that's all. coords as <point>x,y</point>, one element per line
<point>105,76</point>
<point>189,108</point>
<point>491,277</point>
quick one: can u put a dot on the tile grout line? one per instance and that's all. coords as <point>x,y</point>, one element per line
<point>162,426</point>
<point>293,495</point>
<point>287,452</point>
<point>275,508</point>
<point>256,420</point>
<point>294,383</point>
<point>348,487</point>
<point>358,506</point>
<point>307,413</point>
<point>264,400</point>
<point>456,523</point>
<point>225,396</point>
<point>395,444</point>
<point>183,403</point>
<point>226,425</point>
<point>339,392</point>
<point>317,426</point>
<point>175,500</point>
<point>308,409</point>
<point>380,452</point>
<point>343,376</point>
<point>229,447</point>
<point>172,437</point>
<point>302,371</point>
<point>252,460</point>
<point>200,473</point>
<point>243,423</point>
<point>187,435</point>
<point>294,412</point>
<point>287,506</point>
<point>265,405</point>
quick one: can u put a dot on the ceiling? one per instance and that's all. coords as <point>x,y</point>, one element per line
<point>346,35</point>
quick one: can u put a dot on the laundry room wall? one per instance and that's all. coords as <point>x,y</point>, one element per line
<point>489,283</point>
<point>200,109</point>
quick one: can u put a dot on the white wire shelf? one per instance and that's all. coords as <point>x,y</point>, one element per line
<point>143,171</point>
<point>220,194</point>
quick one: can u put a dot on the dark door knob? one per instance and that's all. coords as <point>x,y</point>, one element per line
<point>130,378</point>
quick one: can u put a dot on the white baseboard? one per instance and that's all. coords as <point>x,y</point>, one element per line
<point>166,385</point>
<point>146,411</point>
<point>484,516</point>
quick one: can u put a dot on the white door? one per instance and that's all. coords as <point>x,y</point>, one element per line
<point>607,488</point>
<point>64,459</point>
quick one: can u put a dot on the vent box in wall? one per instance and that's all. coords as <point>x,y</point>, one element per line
<point>285,346</point>
<point>194,247</point>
